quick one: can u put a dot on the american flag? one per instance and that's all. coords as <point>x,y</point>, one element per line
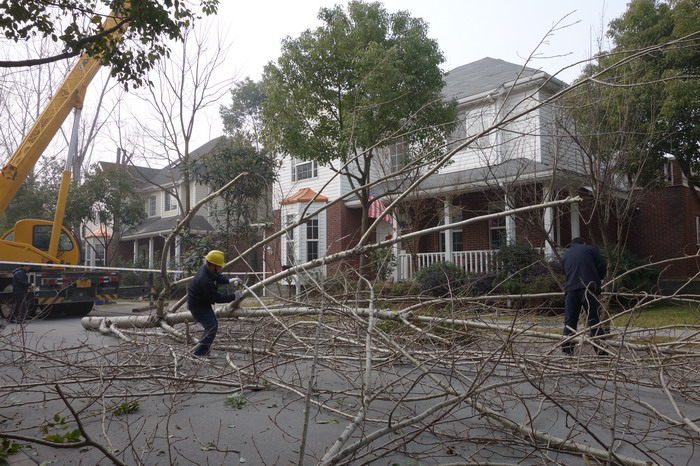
<point>376,209</point>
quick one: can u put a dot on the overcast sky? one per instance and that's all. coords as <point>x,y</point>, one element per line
<point>466,30</point>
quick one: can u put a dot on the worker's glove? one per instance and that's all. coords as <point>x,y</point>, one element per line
<point>237,301</point>
<point>236,282</point>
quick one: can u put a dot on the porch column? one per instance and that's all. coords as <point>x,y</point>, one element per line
<point>136,250</point>
<point>575,225</point>
<point>150,252</point>
<point>448,233</point>
<point>395,250</point>
<point>548,223</point>
<point>510,220</point>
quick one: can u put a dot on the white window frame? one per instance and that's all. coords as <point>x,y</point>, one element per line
<point>169,203</point>
<point>397,156</point>
<point>303,169</point>
<point>95,252</point>
<point>497,224</point>
<point>289,243</point>
<point>456,232</point>
<point>312,237</point>
<point>152,210</point>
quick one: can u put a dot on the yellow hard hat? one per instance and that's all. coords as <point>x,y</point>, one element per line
<point>215,257</point>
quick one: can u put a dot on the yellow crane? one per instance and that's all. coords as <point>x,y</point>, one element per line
<point>37,241</point>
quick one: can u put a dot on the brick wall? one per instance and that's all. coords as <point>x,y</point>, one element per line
<point>664,227</point>
<point>343,229</point>
<point>475,236</point>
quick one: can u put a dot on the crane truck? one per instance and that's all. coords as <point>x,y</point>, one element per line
<point>47,246</point>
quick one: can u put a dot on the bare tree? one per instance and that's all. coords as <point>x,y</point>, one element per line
<point>184,86</point>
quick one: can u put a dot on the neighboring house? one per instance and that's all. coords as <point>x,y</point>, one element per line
<point>95,247</point>
<point>523,162</point>
<point>164,192</point>
<point>162,188</point>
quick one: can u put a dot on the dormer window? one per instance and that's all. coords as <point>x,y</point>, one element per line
<point>170,202</point>
<point>152,205</point>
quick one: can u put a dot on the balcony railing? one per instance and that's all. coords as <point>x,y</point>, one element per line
<point>470,261</point>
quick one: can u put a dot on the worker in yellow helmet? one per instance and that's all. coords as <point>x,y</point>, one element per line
<point>202,293</point>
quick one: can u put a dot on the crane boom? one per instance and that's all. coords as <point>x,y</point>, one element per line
<point>70,95</point>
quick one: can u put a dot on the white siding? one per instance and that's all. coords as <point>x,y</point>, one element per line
<point>286,187</point>
<point>558,148</point>
<point>167,213</point>
<point>517,139</point>
<point>199,192</point>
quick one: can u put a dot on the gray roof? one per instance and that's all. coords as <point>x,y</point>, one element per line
<point>137,173</point>
<point>153,226</point>
<point>482,76</point>
<point>172,172</point>
<point>474,179</point>
<point>149,177</point>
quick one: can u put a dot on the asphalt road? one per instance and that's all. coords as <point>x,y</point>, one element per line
<point>182,420</point>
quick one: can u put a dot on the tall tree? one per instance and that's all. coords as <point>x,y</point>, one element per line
<point>78,26</point>
<point>244,203</point>
<point>242,120</point>
<point>365,79</point>
<point>249,200</point>
<point>186,84</point>
<point>659,91</point>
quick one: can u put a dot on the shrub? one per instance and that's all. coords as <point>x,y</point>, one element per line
<point>511,262</point>
<point>383,262</point>
<point>479,284</point>
<point>640,280</point>
<point>441,279</point>
<point>133,278</point>
<point>545,283</point>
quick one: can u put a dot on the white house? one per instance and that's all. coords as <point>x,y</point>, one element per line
<point>524,150</point>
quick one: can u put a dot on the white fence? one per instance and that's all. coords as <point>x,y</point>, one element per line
<point>470,261</point>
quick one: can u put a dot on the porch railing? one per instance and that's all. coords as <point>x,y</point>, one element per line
<point>470,261</point>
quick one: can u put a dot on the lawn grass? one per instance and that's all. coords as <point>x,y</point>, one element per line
<point>662,314</point>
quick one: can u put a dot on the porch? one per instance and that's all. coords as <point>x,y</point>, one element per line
<point>471,261</point>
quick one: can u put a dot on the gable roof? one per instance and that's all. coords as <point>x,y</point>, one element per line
<point>136,172</point>
<point>147,177</point>
<point>485,75</point>
<point>172,172</point>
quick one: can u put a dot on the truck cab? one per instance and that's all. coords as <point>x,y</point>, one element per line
<point>29,241</point>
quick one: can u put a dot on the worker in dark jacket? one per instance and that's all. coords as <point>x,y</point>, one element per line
<point>202,293</point>
<point>585,269</point>
<point>20,287</point>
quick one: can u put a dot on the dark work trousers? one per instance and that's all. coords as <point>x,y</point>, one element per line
<point>206,317</point>
<point>573,302</point>
<point>19,314</point>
